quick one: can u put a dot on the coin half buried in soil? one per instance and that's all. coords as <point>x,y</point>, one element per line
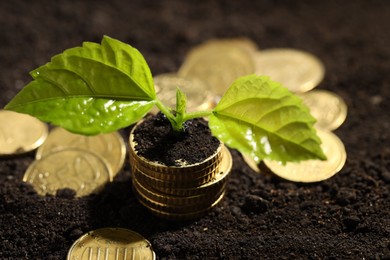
<point>111,243</point>
<point>110,147</point>
<point>77,169</point>
<point>218,64</point>
<point>314,170</point>
<point>328,108</point>
<point>196,90</point>
<point>297,70</point>
<point>20,133</point>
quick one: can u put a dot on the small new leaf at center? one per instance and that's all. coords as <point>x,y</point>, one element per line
<point>181,103</point>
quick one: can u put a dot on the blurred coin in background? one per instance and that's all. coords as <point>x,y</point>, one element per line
<point>296,70</point>
<point>218,63</point>
<point>20,133</point>
<point>328,108</point>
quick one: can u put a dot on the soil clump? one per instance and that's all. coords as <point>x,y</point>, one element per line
<point>157,141</point>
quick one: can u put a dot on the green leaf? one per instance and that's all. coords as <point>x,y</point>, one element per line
<point>260,118</point>
<point>181,102</point>
<point>177,118</point>
<point>100,85</point>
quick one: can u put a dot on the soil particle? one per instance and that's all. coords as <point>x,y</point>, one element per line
<point>346,196</point>
<point>255,204</point>
<point>351,222</point>
<point>66,193</point>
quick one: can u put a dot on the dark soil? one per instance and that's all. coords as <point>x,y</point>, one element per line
<point>157,141</point>
<point>262,216</point>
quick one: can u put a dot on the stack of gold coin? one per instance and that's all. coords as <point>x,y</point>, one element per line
<point>82,163</point>
<point>184,192</point>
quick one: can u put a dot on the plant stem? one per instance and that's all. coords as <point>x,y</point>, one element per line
<point>177,124</point>
<point>165,110</point>
<point>197,114</point>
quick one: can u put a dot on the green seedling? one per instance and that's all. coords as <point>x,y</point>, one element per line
<point>100,88</point>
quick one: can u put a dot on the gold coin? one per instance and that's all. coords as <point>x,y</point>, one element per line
<point>184,216</point>
<point>197,91</point>
<point>110,147</point>
<point>111,243</point>
<point>296,70</point>
<point>208,171</point>
<point>218,64</point>
<point>177,173</point>
<point>328,108</point>
<point>314,170</point>
<point>163,198</point>
<point>193,173</point>
<point>184,182</point>
<point>210,187</point>
<point>20,133</point>
<point>243,43</point>
<point>177,209</point>
<point>77,169</point>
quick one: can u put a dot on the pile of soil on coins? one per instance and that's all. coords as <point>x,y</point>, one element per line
<point>262,216</point>
<point>156,140</point>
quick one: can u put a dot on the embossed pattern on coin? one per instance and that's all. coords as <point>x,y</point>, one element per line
<point>196,90</point>
<point>111,243</point>
<point>218,64</point>
<point>20,133</point>
<point>296,70</point>
<point>77,169</point>
<point>110,147</point>
<point>328,108</point>
<point>314,170</point>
